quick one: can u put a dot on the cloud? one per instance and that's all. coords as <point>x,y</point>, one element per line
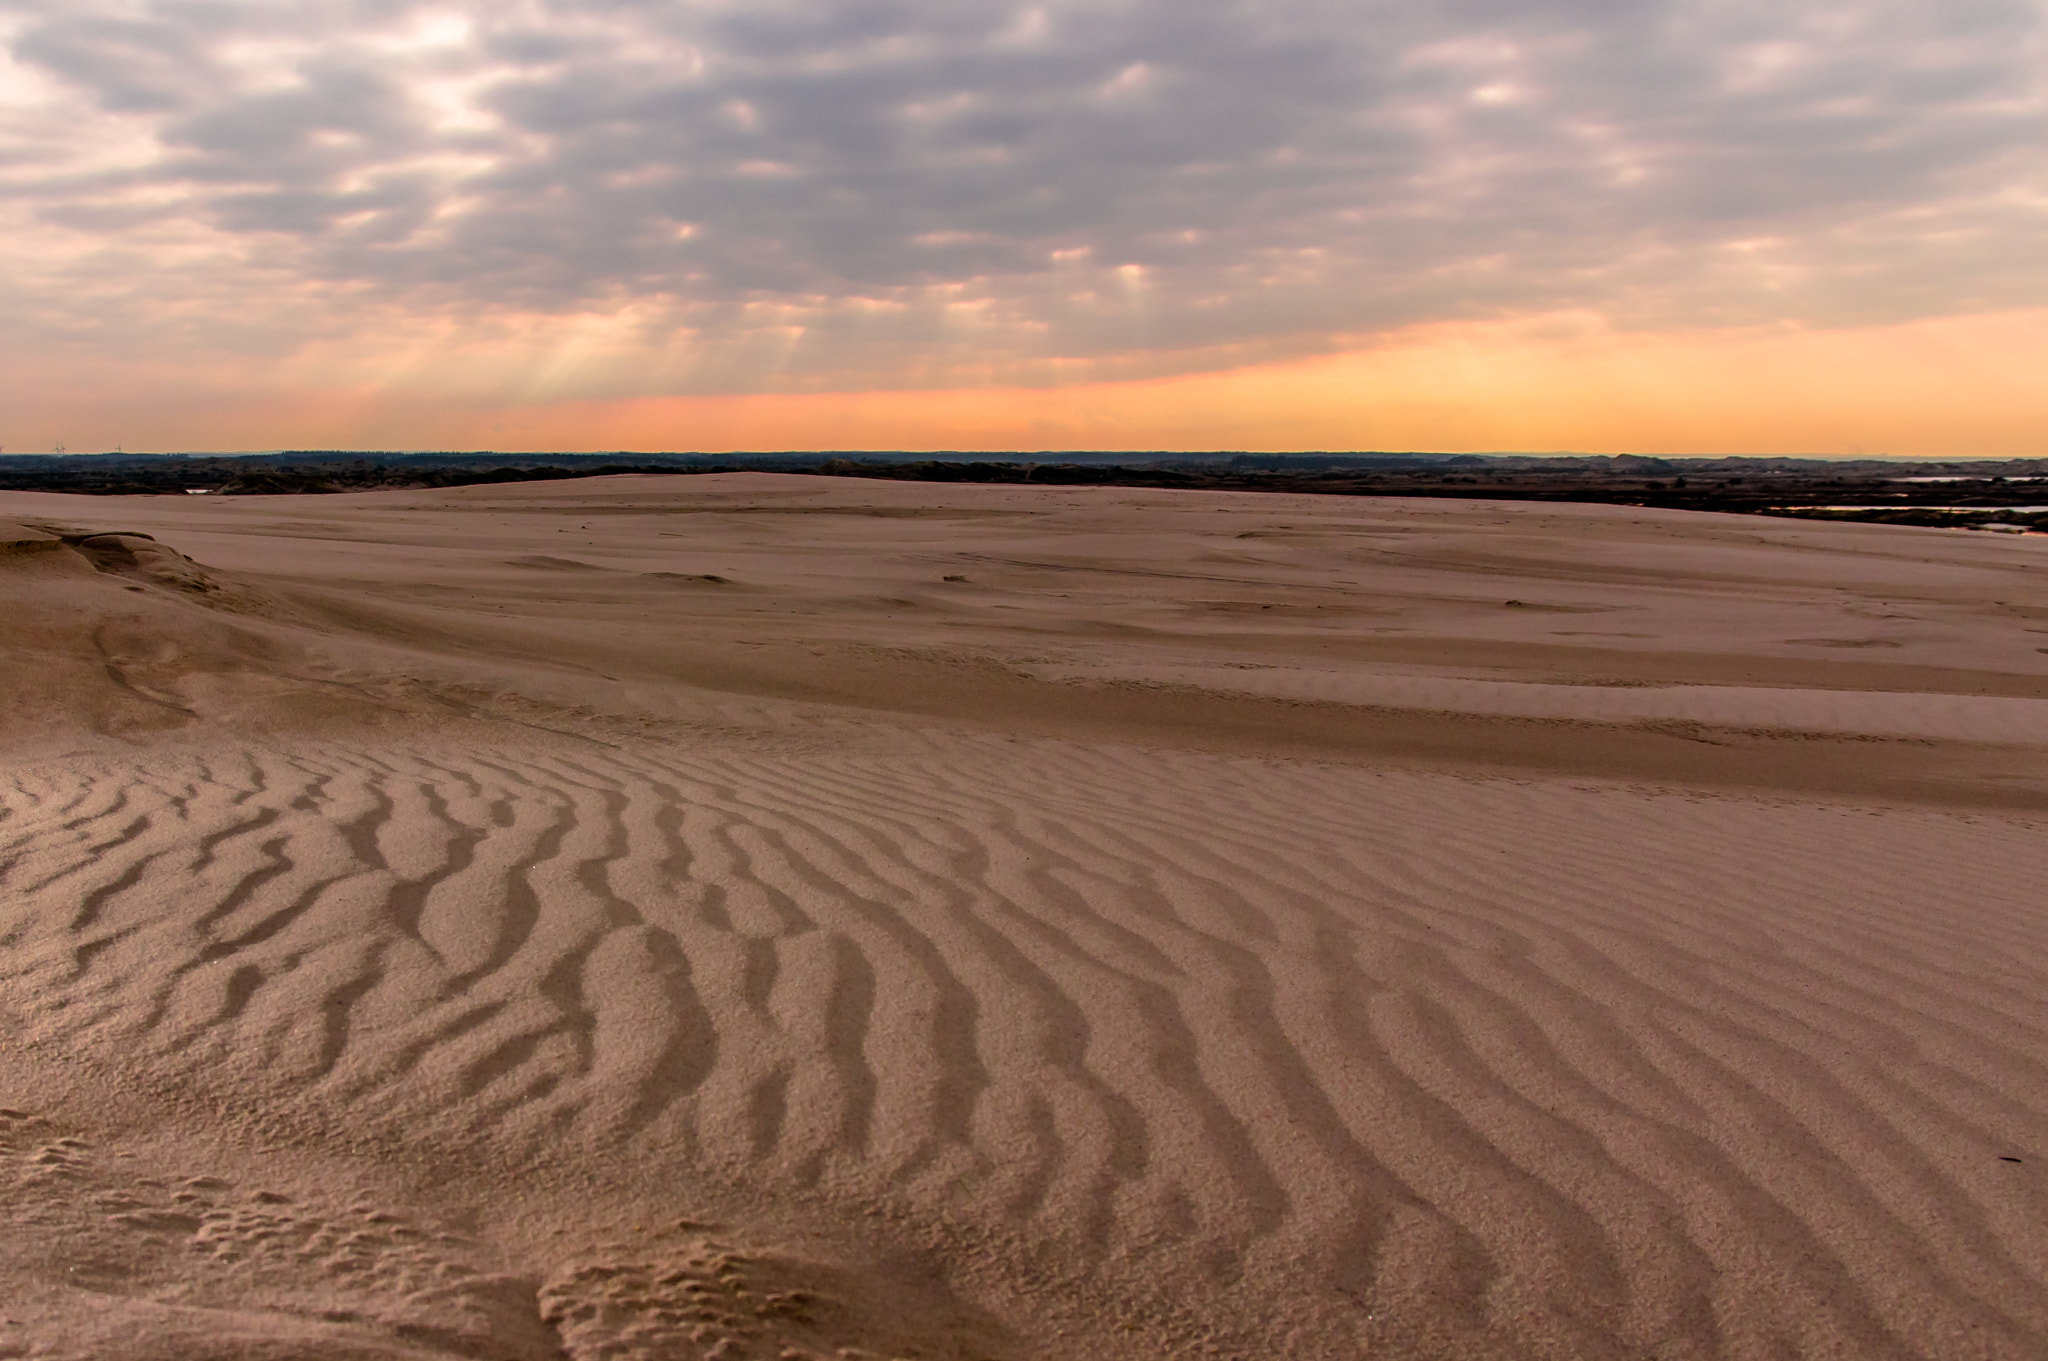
<point>819,192</point>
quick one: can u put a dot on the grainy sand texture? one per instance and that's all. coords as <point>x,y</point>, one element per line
<point>784,918</point>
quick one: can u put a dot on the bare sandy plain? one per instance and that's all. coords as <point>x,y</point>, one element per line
<point>752,917</point>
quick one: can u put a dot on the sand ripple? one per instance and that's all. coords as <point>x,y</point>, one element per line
<point>1451,1065</point>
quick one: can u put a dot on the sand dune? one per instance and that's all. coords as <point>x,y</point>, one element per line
<point>413,947</point>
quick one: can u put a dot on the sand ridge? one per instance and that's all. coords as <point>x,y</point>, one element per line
<point>380,979</point>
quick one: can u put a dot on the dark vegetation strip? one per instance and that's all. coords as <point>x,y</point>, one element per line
<point>1975,494</point>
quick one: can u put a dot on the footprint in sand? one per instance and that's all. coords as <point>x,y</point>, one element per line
<point>700,1299</point>
<point>98,1260</point>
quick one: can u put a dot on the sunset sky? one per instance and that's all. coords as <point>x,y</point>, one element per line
<point>1602,225</point>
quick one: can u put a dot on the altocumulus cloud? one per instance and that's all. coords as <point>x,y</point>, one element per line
<point>809,192</point>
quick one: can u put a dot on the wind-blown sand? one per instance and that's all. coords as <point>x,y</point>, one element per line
<point>807,918</point>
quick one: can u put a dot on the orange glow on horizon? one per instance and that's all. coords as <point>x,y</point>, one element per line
<point>1954,387</point>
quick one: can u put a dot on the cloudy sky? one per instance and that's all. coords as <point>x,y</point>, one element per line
<point>1615,224</point>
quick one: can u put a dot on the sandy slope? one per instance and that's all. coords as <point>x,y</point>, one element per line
<point>679,918</point>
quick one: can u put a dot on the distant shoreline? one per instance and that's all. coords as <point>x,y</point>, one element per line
<point>1973,494</point>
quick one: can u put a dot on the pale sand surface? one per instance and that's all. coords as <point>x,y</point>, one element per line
<point>672,918</point>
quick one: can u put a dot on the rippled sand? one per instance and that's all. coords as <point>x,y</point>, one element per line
<point>766,917</point>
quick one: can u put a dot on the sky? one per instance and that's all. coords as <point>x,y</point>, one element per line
<point>1669,226</point>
